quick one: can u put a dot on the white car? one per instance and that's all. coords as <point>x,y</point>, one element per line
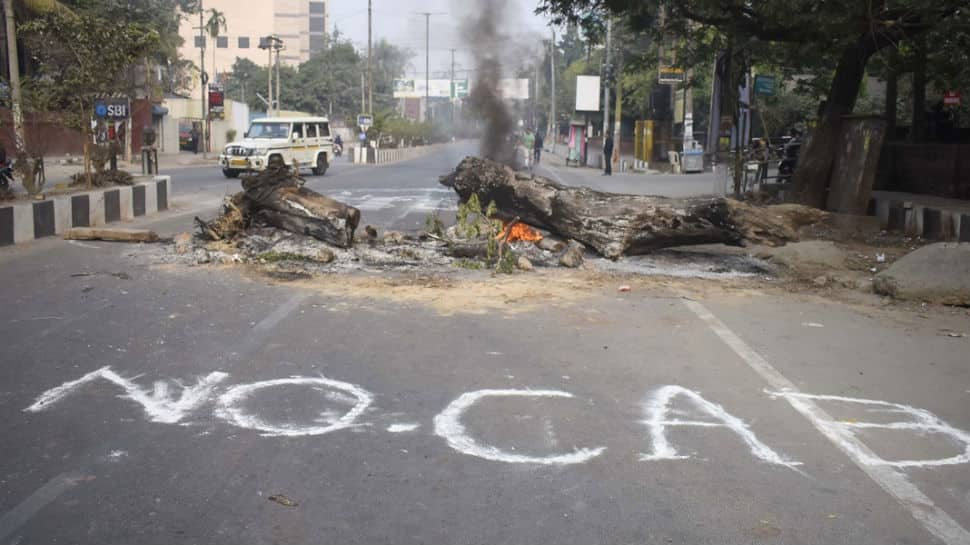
<point>300,142</point>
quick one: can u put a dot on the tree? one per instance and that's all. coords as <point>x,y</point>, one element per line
<point>855,31</point>
<point>79,57</point>
<point>214,27</point>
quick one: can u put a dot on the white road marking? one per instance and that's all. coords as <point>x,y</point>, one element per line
<point>894,482</point>
<point>401,428</point>
<point>229,410</point>
<point>158,404</point>
<point>448,426</point>
<point>25,510</point>
<point>657,410</point>
<point>923,423</point>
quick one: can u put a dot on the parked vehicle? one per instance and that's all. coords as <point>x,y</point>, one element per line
<point>294,142</point>
<point>789,160</point>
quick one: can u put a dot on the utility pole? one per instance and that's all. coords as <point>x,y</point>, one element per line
<point>15,93</point>
<point>279,100</point>
<point>453,90</point>
<point>204,80</point>
<point>606,85</point>
<point>268,42</point>
<point>370,71</point>
<point>535,95</point>
<point>427,62</point>
<point>553,125</point>
<point>427,67</point>
<point>363,96</point>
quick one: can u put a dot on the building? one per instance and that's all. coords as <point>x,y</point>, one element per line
<point>300,24</point>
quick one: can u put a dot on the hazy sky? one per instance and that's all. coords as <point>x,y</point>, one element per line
<point>396,20</point>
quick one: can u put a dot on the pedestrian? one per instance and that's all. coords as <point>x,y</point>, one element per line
<point>528,144</point>
<point>608,155</point>
<point>538,148</point>
<point>194,139</point>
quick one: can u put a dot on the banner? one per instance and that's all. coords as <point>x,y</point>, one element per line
<point>587,93</point>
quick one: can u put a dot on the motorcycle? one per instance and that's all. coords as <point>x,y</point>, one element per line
<point>789,161</point>
<point>6,175</point>
<point>338,150</point>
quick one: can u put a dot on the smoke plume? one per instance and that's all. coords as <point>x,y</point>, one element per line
<point>489,47</point>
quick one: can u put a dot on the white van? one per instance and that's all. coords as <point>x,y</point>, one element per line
<point>300,142</point>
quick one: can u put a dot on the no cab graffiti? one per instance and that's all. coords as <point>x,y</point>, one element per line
<point>170,402</point>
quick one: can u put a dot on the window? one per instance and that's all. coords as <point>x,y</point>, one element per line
<point>311,131</point>
<point>297,130</point>
<point>244,42</point>
<point>318,8</point>
<point>318,24</point>
<point>269,130</point>
<point>324,129</point>
<point>222,42</point>
<point>200,42</point>
<point>317,44</point>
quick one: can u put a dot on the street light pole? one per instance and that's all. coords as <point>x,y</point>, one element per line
<point>553,125</point>
<point>370,71</point>
<point>203,79</point>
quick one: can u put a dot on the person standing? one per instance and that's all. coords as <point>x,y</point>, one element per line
<point>194,138</point>
<point>608,155</point>
<point>538,148</point>
<point>528,143</point>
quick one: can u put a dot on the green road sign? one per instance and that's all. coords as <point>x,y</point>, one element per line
<point>764,85</point>
<point>459,88</point>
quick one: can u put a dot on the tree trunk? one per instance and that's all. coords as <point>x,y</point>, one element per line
<point>918,130</point>
<point>815,164</point>
<point>275,197</point>
<point>892,93</point>
<point>615,224</point>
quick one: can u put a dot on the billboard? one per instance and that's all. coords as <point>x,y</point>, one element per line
<point>437,88</point>
<point>513,89</point>
<point>587,93</point>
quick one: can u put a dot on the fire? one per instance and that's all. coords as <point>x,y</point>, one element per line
<point>520,231</point>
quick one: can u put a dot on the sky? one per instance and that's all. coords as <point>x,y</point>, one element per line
<point>397,21</point>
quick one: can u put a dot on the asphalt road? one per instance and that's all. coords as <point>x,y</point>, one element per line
<point>151,403</point>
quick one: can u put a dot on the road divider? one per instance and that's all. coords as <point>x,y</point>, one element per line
<point>383,156</point>
<point>30,220</point>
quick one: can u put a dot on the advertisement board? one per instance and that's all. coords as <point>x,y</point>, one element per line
<point>587,93</point>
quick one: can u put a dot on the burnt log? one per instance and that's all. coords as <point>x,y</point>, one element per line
<point>617,224</point>
<point>277,197</point>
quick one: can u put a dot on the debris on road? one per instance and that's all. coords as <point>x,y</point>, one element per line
<point>277,197</point>
<point>624,289</point>
<point>615,224</point>
<point>111,234</point>
<point>282,500</point>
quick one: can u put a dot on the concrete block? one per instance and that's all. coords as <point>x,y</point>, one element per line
<point>965,228</point>
<point>127,206</point>
<point>151,197</point>
<point>23,223</point>
<point>81,211</point>
<point>896,217</point>
<point>932,227</point>
<point>161,193</point>
<point>62,215</point>
<point>6,226</point>
<point>109,206</point>
<point>138,201</point>
<point>44,222</point>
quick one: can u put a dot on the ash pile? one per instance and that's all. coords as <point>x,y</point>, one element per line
<point>507,221</point>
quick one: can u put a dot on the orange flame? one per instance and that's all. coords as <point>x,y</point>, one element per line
<point>520,231</point>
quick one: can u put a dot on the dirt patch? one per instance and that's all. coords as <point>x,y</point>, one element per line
<point>461,293</point>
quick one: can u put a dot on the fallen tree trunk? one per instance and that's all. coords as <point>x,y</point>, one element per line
<point>276,197</point>
<point>617,224</point>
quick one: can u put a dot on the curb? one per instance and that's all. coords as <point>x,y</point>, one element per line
<point>931,222</point>
<point>24,222</point>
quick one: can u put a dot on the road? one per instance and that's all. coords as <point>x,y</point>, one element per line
<point>148,403</point>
